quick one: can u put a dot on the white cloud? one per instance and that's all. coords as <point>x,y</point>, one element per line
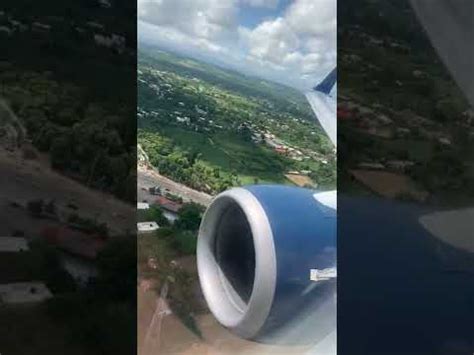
<point>297,48</point>
<point>303,40</point>
<point>271,40</point>
<point>178,40</point>
<point>208,19</point>
<point>270,4</point>
<point>312,17</point>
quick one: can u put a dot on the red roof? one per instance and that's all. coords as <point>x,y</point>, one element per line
<point>280,150</point>
<point>73,241</point>
<point>344,113</point>
<point>167,204</point>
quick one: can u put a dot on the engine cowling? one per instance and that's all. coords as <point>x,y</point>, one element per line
<point>265,254</point>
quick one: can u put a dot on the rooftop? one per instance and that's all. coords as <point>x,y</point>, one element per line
<point>168,205</point>
<point>147,226</point>
<point>142,206</point>
<point>13,244</point>
<point>24,292</point>
<point>74,242</point>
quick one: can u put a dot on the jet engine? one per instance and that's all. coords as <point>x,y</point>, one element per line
<point>266,258</point>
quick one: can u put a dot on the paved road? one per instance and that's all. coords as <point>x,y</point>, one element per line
<point>25,180</point>
<point>148,178</point>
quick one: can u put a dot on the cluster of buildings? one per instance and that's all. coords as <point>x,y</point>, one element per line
<point>281,147</point>
<point>106,4</point>
<point>384,42</point>
<point>368,39</point>
<point>111,41</point>
<point>285,149</point>
<point>198,123</point>
<point>79,252</point>
<point>162,90</point>
<point>400,127</point>
<point>372,121</point>
<point>169,208</point>
<point>21,291</point>
<point>9,26</point>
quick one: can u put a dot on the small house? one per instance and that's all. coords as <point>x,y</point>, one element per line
<point>13,244</point>
<point>147,227</point>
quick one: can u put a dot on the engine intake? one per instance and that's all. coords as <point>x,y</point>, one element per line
<point>256,248</point>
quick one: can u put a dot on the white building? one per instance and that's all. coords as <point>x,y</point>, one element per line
<point>24,292</point>
<point>13,244</point>
<point>95,25</point>
<point>170,216</point>
<point>371,166</point>
<point>444,141</point>
<point>186,120</point>
<point>142,206</point>
<point>6,30</point>
<point>147,227</point>
<point>38,26</point>
<point>105,4</point>
<point>199,110</point>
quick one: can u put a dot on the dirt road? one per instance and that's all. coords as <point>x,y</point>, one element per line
<point>176,338</point>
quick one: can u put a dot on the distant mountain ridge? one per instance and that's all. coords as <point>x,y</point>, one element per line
<point>229,79</point>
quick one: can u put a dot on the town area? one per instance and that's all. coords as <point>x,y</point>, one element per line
<point>405,129</point>
<point>211,129</point>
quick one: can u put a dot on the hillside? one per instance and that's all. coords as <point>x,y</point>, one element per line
<point>67,72</point>
<point>212,128</point>
<point>401,112</point>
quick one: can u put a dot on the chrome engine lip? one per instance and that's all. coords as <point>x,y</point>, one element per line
<point>246,320</point>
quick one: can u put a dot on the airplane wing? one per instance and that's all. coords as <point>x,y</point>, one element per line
<point>450,26</point>
<point>324,105</point>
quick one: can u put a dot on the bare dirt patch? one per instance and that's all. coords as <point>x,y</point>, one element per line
<point>390,185</point>
<point>300,180</point>
<point>176,338</point>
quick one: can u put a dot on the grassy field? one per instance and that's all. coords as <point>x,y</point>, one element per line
<point>232,153</point>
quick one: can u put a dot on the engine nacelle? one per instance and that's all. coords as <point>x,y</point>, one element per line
<point>266,252</point>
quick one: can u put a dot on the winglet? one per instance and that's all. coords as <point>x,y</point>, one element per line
<point>324,105</point>
<point>328,83</point>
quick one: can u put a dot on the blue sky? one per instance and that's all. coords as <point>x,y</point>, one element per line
<point>288,41</point>
<point>251,16</point>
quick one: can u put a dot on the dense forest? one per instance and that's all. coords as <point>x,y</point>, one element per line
<point>76,98</point>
